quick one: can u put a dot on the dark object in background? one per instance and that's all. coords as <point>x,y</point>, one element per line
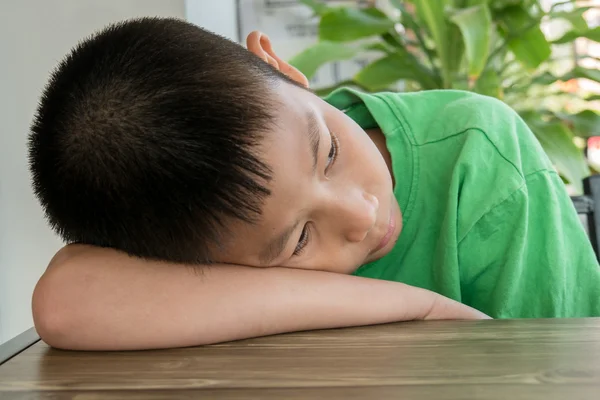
<point>588,206</point>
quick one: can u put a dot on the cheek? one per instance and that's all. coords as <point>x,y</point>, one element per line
<point>361,152</point>
<point>360,156</point>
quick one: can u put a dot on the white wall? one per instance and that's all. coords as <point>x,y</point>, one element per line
<point>219,16</point>
<point>34,35</point>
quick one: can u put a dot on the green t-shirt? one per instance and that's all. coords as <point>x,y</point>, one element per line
<point>487,221</point>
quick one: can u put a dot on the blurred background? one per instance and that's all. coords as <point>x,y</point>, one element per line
<point>542,57</point>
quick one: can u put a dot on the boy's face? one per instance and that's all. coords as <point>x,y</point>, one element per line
<point>331,206</point>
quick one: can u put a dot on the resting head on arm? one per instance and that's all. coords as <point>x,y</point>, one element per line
<point>177,147</point>
<point>167,142</point>
<point>102,299</point>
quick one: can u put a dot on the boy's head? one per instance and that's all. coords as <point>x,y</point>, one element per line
<point>165,141</point>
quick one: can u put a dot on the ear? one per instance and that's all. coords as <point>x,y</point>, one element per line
<point>260,44</point>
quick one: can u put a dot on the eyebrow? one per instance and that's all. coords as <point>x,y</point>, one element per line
<point>314,137</point>
<point>277,245</point>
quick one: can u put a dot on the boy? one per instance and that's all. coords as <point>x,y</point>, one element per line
<point>158,145</point>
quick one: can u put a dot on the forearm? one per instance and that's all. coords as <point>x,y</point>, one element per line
<point>99,299</point>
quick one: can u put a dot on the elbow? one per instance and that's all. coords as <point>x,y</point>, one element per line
<point>51,320</point>
<point>54,303</point>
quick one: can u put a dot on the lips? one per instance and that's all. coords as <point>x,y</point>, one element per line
<point>389,232</point>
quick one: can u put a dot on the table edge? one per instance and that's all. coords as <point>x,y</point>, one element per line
<point>18,344</point>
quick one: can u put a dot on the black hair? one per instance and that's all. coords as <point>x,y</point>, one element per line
<point>145,138</point>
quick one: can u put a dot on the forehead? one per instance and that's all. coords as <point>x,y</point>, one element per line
<point>286,149</point>
<point>289,142</point>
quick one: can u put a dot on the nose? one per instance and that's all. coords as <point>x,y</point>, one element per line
<point>358,215</point>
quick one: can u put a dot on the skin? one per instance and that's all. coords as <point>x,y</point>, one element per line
<point>101,299</point>
<point>341,208</point>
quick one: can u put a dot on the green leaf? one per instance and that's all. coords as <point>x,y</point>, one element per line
<point>317,6</point>
<point>580,72</point>
<point>489,84</point>
<point>375,12</point>
<point>592,34</point>
<point>388,70</point>
<point>557,140</point>
<point>585,123</point>
<point>576,73</point>
<point>456,52</point>
<point>325,91</point>
<point>575,17</point>
<point>348,24</point>
<point>461,84</point>
<point>408,20</point>
<point>431,13</point>
<point>502,4</point>
<point>558,4</point>
<point>594,97</point>
<point>475,24</point>
<point>380,47</point>
<point>312,58</point>
<point>531,49</point>
<point>545,79</point>
<point>399,4</point>
<point>524,36</point>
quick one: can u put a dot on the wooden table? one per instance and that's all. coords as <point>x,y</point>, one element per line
<point>502,359</point>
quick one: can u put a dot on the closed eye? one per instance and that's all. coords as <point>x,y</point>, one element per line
<point>334,152</point>
<point>303,241</point>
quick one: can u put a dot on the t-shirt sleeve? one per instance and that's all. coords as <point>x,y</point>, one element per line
<point>529,256</point>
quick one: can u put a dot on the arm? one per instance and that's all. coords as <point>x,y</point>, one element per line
<point>100,299</point>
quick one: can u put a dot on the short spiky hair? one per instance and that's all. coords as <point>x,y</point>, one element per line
<point>144,139</point>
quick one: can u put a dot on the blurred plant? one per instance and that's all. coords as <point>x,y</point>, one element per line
<point>492,47</point>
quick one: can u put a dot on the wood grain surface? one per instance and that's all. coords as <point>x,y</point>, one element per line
<point>500,359</point>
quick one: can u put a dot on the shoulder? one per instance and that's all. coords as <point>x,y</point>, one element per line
<point>434,117</point>
<point>448,112</point>
<point>475,148</point>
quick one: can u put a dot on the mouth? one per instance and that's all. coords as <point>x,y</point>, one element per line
<point>388,234</point>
